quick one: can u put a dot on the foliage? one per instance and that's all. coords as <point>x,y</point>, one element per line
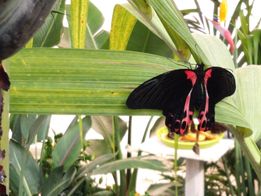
<point>98,82</point>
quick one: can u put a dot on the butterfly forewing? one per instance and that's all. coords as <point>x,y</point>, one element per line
<point>221,84</point>
<point>165,92</point>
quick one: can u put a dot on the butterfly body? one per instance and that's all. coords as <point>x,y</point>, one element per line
<point>180,93</point>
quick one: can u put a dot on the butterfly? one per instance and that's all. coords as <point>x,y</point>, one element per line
<point>180,93</point>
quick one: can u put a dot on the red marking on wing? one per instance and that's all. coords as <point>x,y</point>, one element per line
<point>191,75</point>
<point>187,119</point>
<point>208,75</point>
<point>203,114</point>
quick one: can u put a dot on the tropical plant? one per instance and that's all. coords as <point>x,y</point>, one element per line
<point>97,82</point>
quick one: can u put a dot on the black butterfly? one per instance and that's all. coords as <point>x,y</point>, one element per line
<point>179,93</point>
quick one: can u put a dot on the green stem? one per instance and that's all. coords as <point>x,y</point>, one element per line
<point>81,129</point>
<point>116,131</point>
<point>128,177</point>
<point>250,149</point>
<point>132,184</point>
<point>228,177</point>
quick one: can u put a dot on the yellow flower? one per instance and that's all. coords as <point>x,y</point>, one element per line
<point>223,10</point>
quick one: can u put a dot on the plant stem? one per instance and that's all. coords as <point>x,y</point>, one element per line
<point>132,184</point>
<point>81,129</point>
<point>228,177</point>
<point>119,154</point>
<point>128,175</point>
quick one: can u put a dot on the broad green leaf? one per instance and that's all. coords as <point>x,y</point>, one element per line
<point>137,162</point>
<point>247,97</point>
<point>50,32</point>
<point>95,18</point>
<point>143,40</point>
<point>174,23</point>
<point>122,25</point>
<point>78,21</point>
<point>41,126</point>
<point>142,6</point>
<point>14,180</point>
<point>216,51</point>
<point>95,37</point>
<point>25,127</point>
<point>68,148</point>
<point>153,24</point>
<point>20,125</point>
<point>104,126</point>
<point>89,168</point>
<point>57,181</point>
<point>26,168</point>
<point>98,147</point>
<point>77,81</point>
<point>102,39</point>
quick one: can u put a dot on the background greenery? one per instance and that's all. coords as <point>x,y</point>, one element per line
<point>95,76</point>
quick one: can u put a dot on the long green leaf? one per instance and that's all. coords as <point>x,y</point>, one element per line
<point>68,148</point>
<point>50,32</point>
<point>173,20</point>
<point>26,168</point>
<point>146,163</point>
<point>57,181</point>
<point>247,97</point>
<point>122,25</point>
<point>78,21</point>
<point>77,81</point>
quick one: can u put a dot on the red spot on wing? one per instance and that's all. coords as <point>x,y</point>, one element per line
<point>191,75</point>
<point>208,75</point>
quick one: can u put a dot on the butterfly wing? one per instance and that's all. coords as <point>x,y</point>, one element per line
<point>218,84</point>
<point>168,92</point>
